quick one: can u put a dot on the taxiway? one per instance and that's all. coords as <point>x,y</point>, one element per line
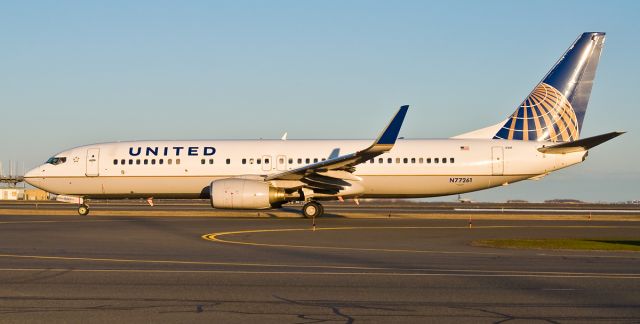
<point>227,269</point>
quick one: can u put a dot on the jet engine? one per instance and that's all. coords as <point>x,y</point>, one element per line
<point>245,194</point>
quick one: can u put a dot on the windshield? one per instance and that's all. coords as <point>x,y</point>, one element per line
<point>57,160</point>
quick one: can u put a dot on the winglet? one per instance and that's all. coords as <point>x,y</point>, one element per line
<point>390,134</point>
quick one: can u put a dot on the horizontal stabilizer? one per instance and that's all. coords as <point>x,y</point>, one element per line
<point>579,145</point>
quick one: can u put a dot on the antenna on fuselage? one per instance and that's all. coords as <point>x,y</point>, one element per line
<point>284,136</point>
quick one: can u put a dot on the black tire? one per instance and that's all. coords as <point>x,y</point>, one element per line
<point>83,210</point>
<point>312,209</point>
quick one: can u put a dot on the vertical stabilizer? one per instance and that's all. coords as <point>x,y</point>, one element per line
<point>555,109</point>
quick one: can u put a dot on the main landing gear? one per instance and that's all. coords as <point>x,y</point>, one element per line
<point>83,210</point>
<point>312,209</point>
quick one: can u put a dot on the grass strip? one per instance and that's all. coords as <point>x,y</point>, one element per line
<point>564,244</point>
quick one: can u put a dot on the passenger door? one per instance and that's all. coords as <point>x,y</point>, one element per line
<point>93,159</point>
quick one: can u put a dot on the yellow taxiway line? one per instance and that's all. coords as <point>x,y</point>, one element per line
<point>217,237</point>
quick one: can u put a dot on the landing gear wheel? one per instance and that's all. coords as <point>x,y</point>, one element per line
<point>312,209</point>
<point>83,210</point>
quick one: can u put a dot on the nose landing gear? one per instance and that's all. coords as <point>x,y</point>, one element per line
<point>83,210</point>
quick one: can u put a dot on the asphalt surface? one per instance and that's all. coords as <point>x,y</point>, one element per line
<point>216,269</point>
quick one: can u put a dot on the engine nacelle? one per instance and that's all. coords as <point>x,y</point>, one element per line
<point>244,194</point>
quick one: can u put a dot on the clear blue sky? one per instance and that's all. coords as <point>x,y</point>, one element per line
<point>78,72</point>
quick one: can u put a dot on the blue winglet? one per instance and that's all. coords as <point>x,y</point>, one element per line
<point>390,134</point>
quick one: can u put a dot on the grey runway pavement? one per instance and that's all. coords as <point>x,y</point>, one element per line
<point>186,269</point>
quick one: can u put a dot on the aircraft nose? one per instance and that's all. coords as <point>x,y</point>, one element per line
<point>31,173</point>
<point>34,176</point>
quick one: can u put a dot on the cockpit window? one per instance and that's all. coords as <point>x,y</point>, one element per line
<point>57,160</point>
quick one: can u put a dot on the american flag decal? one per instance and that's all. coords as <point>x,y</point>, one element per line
<point>464,148</point>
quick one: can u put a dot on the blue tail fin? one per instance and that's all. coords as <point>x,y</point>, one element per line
<point>554,110</point>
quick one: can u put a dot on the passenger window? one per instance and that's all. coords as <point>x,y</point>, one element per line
<point>398,160</point>
<point>405,160</point>
<point>413,160</point>
<point>177,161</point>
<point>170,161</point>
<point>420,160</point>
<point>123,161</point>
<point>244,161</point>
<point>371,161</point>
<point>251,161</point>
<point>380,160</point>
<point>259,161</point>
<point>202,161</point>
<point>138,161</point>
<point>389,160</point>
<point>153,161</point>
<point>281,160</point>
<point>315,160</point>
<point>429,160</point>
<point>290,161</point>
<point>451,160</point>
<point>130,161</point>
<point>146,161</point>
<point>308,160</point>
<point>444,160</point>
<point>115,162</point>
<point>228,161</point>
<point>161,161</point>
<point>436,160</point>
<point>299,161</point>
<point>266,161</point>
<point>210,161</point>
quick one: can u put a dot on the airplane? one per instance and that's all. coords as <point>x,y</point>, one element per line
<point>541,136</point>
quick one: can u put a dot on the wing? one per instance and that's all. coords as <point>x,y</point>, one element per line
<point>329,176</point>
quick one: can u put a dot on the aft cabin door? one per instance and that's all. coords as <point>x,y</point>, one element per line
<point>497,165</point>
<point>93,157</point>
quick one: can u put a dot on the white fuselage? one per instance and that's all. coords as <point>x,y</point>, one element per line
<point>185,169</point>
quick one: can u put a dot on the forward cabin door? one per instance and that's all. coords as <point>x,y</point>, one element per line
<point>93,158</point>
<point>497,158</point>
